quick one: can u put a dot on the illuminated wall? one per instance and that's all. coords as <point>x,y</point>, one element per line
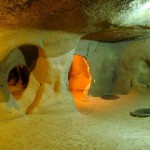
<point>117,68</point>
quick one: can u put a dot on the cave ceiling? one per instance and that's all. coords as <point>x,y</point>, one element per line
<point>102,20</point>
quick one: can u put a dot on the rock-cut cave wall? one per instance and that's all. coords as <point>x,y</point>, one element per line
<point>117,68</point>
<point>54,28</point>
<point>47,56</point>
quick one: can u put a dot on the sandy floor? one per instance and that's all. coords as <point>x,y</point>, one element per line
<point>106,125</point>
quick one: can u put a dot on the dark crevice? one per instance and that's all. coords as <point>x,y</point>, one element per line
<point>30,54</point>
<point>131,85</point>
<point>147,62</point>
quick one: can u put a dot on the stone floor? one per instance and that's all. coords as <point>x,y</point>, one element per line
<point>103,125</point>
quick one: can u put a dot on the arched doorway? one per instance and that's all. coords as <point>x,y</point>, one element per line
<point>79,75</point>
<point>18,76</point>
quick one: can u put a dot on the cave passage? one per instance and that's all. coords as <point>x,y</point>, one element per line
<point>18,77</point>
<point>79,75</point>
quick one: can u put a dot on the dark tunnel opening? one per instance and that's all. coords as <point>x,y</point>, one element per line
<point>18,77</point>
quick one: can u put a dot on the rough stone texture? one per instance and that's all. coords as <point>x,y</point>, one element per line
<point>54,43</point>
<point>48,79</point>
<point>118,68</point>
<point>118,34</point>
<point>48,85</point>
<point>55,28</point>
<point>79,16</point>
<point>114,128</point>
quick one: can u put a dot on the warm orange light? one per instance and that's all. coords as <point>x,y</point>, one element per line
<point>79,75</point>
